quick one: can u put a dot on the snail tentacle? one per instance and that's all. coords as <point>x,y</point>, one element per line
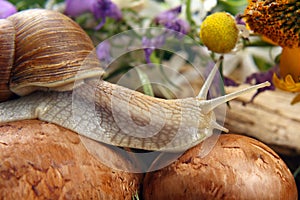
<point>215,125</point>
<point>211,104</point>
<point>204,90</point>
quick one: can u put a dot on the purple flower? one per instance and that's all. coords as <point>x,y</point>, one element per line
<point>150,45</point>
<point>6,9</point>
<point>167,16</point>
<point>103,52</point>
<point>239,20</point>
<point>101,9</point>
<point>229,82</point>
<point>170,20</point>
<point>75,8</point>
<point>261,77</point>
<point>179,25</point>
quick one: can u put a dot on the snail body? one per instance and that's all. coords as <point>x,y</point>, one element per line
<point>109,113</point>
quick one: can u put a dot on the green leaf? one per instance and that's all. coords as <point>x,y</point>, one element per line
<point>23,5</point>
<point>261,63</point>
<point>232,6</point>
<point>166,92</point>
<point>147,87</point>
<point>154,58</point>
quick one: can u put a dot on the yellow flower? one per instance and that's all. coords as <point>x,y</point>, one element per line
<point>219,32</point>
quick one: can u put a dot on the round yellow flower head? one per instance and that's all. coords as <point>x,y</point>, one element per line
<point>219,32</point>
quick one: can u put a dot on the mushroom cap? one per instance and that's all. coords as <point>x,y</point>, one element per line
<point>39,160</point>
<point>276,19</point>
<point>238,167</point>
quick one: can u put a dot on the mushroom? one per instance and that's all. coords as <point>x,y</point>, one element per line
<point>39,160</point>
<point>238,167</point>
<point>279,21</point>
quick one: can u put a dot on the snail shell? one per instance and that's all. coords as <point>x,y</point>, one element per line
<point>43,50</point>
<point>7,38</point>
<point>45,53</point>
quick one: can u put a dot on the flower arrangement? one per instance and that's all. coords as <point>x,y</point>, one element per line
<point>261,38</point>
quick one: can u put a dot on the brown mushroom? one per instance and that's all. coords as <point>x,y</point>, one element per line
<point>238,167</point>
<point>39,160</point>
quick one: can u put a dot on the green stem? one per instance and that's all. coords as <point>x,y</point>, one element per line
<point>146,84</point>
<point>222,84</point>
<point>233,3</point>
<point>188,12</point>
<point>165,76</point>
<point>297,172</point>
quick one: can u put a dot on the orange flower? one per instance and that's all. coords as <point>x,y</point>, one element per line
<point>290,69</point>
<point>278,21</point>
<point>275,19</point>
<point>287,83</point>
<point>290,63</point>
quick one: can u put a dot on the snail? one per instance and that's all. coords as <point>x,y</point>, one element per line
<point>44,52</point>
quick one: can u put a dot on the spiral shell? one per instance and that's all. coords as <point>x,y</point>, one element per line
<point>49,49</point>
<point>7,48</point>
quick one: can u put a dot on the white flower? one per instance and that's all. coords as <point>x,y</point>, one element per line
<point>204,7</point>
<point>199,8</point>
<point>136,5</point>
<point>241,64</point>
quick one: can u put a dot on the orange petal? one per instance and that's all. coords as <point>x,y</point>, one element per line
<point>289,80</point>
<point>296,99</point>
<point>288,84</point>
<point>289,63</point>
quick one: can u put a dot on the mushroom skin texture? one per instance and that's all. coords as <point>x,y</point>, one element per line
<point>238,167</point>
<point>39,160</point>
